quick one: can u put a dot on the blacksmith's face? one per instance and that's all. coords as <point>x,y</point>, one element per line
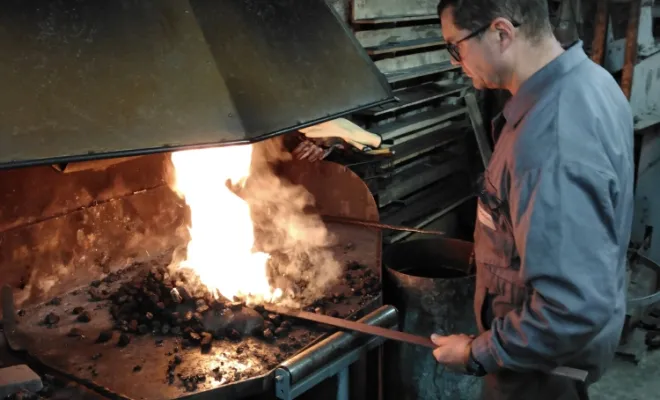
<point>484,54</point>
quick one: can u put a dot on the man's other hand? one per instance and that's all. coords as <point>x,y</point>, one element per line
<point>308,150</point>
<point>453,350</point>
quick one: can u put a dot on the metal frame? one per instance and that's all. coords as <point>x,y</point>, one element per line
<point>330,359</point>
<point>285,389</point>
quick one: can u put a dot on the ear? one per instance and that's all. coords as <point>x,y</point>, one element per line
<point>505,31</point>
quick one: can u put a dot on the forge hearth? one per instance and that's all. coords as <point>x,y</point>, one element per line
<point>143,333</point>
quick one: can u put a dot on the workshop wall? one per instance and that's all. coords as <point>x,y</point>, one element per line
<point>57,230</point>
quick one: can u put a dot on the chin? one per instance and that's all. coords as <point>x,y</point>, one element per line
<point>479,85</point>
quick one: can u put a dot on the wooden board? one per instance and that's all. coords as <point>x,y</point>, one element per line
<point>378,9</point>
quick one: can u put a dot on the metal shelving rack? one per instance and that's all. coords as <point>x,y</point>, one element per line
<point>429,128</point>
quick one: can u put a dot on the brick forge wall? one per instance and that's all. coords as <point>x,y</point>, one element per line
<point>61,230</point>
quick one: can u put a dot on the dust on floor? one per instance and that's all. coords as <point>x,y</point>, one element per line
<point>627,381</point>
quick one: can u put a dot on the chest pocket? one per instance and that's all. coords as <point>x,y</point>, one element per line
<point>493,234</point>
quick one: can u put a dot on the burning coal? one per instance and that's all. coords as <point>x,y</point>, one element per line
<point>250,235</point>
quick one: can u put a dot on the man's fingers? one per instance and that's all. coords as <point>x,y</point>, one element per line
<point>438,340</point>
<point>309,151</point>
<point>317,155</point>
<point>439,354</point>
<point>300,148</point>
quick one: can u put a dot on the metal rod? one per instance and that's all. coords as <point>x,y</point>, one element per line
<point>600,32</point>
<point>378,225</point>
<point>630,53</point>
<point>358,327</point>
<point>434,217</point>
<point>567,372</point>
<point>317,356</point>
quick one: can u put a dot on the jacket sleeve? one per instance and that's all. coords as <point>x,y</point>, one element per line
<point>564,230</point>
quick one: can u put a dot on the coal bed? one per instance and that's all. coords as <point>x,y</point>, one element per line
<point>145,333</point>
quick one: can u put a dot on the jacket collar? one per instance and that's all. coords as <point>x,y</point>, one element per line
<point>534,87</point>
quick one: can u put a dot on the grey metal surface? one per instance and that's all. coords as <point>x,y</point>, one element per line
<point>430,283</point>
<point>84,79</point>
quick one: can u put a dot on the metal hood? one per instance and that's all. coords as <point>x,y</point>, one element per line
<point>86,79</point>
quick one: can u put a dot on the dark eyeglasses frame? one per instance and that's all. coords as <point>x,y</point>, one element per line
<point>452,48</point>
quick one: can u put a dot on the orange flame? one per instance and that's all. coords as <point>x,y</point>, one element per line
<point>220,250</point>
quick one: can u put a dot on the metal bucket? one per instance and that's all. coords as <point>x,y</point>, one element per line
<point>430,282</point>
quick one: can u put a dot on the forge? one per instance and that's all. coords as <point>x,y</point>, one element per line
<point>150,212</point>
<point>111,334</point>
<point>153,329</point>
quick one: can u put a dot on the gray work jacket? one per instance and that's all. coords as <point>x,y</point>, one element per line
<point>553,222</point>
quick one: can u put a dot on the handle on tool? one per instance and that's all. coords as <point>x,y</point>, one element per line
<point>345,129</point>
<point>380,152</point>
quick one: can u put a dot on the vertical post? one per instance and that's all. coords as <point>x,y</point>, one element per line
<point>478,127</point>
<point>630,55</point>
<point>600,33</point>
<point>343,390</point>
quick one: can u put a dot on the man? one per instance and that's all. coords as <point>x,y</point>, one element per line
<point>555,207</point>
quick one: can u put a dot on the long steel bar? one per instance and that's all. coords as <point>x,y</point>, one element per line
<point>378,225</point>
<point>567,372</point>
<point>359,327</point>
<point>317,356</point>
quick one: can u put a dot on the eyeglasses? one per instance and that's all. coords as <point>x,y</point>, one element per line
<point>452,48</point>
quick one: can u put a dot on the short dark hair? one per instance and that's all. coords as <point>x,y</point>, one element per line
<point>532,15</point>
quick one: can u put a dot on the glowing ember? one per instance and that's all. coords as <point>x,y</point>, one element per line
<point>222,236</point>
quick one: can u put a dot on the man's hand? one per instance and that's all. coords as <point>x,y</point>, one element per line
<point>452,351</point>
<point>307,150</point>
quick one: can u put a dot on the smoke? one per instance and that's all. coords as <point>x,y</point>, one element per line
<point>302,263</point>
<point>236,198</point>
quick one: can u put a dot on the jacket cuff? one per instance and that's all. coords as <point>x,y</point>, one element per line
<point>481,351</point>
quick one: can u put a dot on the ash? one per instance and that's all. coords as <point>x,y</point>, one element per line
<point>176,304</point>
<point>82,333</point>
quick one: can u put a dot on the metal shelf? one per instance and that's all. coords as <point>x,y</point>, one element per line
<point>416,176</point>
<point>395,19</point>
<point>413,97</point>
<point>416,72</point>
<point>404,126</point>
<point>408,45</point>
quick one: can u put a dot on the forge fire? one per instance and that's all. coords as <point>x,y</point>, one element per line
<point>197,318</point>
<point>250,237</point>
